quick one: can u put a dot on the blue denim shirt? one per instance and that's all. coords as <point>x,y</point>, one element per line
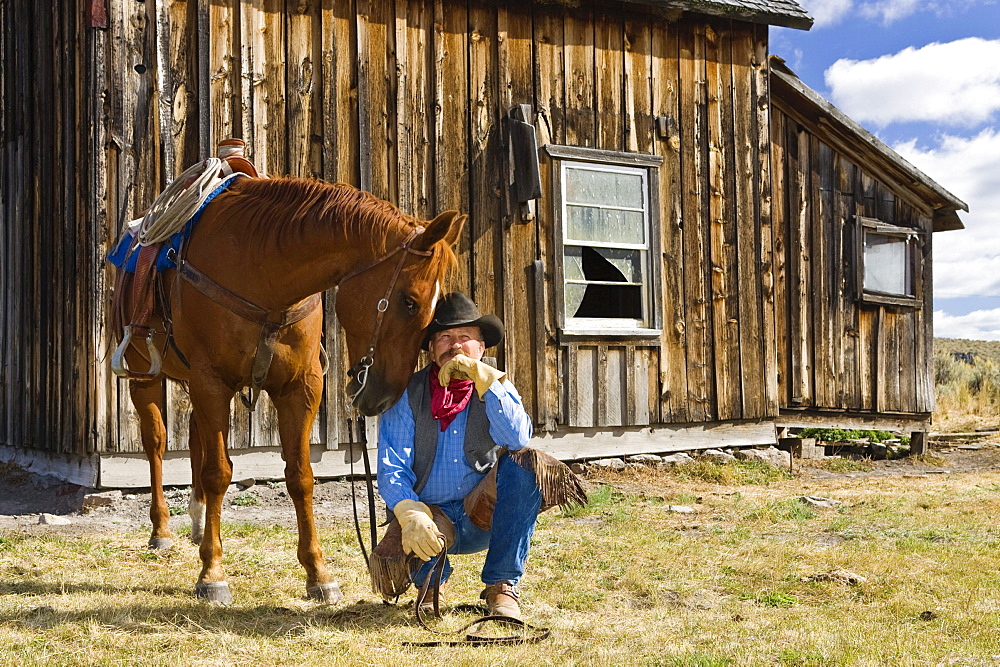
<point>451,478</point>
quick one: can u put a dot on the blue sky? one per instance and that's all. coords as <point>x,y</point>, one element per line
<point>923,76</point>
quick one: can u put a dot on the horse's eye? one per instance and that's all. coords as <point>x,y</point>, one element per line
<point>412,307</point>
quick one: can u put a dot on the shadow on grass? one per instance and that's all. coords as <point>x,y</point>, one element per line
<point>57,588</point>
<point>180,609</point>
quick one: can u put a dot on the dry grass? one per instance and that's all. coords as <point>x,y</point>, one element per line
<point>625,581</point>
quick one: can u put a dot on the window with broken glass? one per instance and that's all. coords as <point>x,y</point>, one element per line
<point>606,246</point>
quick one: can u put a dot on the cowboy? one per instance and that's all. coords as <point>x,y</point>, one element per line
<point>442,448</point>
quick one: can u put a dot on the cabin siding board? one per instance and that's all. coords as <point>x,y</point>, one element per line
<point>672,380</point>
<point>515,66</point>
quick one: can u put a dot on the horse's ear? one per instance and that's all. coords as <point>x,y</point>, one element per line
<point>447,226</point>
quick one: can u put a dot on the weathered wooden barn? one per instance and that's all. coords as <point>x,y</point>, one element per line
<point>671,283</point>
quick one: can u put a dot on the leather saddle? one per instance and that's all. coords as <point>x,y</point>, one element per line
<point>133,316</point>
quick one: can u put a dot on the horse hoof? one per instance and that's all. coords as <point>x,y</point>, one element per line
<point>160,543</point>
<point>216,592</point>
<point>196,539</point>
<point>328,593</point>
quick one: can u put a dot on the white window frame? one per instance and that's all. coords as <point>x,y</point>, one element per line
<point>914,257</point>
<point>570,157</point>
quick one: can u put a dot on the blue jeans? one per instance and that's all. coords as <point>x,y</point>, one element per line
<point>506,543</point>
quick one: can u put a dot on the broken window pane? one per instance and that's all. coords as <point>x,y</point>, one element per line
<point>608,264</point>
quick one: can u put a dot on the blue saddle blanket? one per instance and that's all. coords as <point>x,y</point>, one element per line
<point>124,257</point>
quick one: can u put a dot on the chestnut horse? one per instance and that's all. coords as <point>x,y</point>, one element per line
<point>275,243</point>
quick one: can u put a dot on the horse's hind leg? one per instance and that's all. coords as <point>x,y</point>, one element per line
<point>196,505</point>
<point>210,400</point>
<point>297,406</point>
<point>148,399</point>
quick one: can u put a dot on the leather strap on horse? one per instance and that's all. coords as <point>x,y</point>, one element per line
<point>142,288</point>
<point>271,321</point>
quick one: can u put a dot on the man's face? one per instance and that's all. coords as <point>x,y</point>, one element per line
<point>465,340</point>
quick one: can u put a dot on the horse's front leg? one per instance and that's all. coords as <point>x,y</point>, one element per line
<point>297,405</point>
<point>210,400</point>
<point>148,398</point>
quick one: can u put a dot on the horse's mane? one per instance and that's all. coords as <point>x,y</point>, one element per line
<point>280,208</point>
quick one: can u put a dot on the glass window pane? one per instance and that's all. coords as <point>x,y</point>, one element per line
<point>585,223</point>
<point>573,263</point>
<point>607,188</point>
<point>887,265</point>
<point>574,297</point>
<point>587,186</point>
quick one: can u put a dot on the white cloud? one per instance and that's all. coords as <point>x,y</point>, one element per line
<point>977,325</point>
<point>966,262</point>
<point>827,12</point>
<point>956,83</point>
<point>889,11</point>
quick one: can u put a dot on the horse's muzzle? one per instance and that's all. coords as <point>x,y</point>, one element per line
<point>368,400</point>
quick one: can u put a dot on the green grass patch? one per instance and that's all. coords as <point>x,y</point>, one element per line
<point>844,435</point>
<point>839,464</point>
<point>599,500</point>
<point>245,500</point>
<point>772,599</point>
<point>732,473</point>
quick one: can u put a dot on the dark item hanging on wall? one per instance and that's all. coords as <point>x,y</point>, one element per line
<point>524,154</point>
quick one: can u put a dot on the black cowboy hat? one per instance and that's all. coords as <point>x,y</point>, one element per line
<point>457,310</point>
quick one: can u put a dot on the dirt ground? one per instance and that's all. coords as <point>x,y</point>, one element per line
<point>24,496</point>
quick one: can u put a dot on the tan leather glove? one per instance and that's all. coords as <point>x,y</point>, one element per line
<point>462,367</point>
<point>420,535</point>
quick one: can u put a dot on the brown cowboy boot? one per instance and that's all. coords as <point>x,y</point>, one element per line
<point>502,600</point>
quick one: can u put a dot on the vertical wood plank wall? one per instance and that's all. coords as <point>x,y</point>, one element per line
<point>833,352</point>
<point>405,99</point>
<point>52,394</point>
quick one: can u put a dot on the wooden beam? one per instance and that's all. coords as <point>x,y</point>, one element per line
<point>853,420</point>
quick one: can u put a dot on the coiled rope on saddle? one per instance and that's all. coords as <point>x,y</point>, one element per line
<point>179,201</point>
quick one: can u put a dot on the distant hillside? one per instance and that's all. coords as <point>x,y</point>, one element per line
<point>985,349</point>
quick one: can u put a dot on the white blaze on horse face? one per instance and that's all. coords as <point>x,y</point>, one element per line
<point>437,293</point>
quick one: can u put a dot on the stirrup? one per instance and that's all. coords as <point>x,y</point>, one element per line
<point>118,359</point>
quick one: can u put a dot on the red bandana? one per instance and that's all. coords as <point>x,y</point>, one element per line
<point>447,402</point>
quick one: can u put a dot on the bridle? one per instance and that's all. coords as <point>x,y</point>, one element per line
<point>360,370</point>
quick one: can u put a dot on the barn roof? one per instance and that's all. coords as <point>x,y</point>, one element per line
<point>786,13</point>
<point>833,126</point>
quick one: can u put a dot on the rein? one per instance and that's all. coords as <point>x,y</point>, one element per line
<point>473,634</point>
<point>360,372</point>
